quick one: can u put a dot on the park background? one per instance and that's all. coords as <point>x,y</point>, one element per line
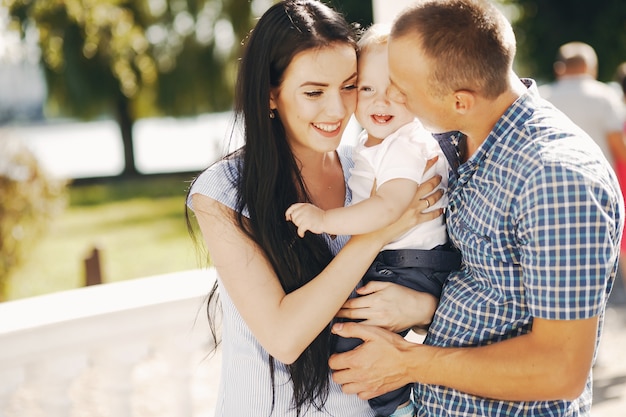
<point>109,108</point>
<point>127,100</point>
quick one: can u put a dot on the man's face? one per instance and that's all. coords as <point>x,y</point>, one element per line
<point>409,72</point>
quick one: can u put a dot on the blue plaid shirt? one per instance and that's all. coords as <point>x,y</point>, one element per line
<point>537,214</point>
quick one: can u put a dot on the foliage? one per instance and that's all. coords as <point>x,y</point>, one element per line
<point>130,59</point>
<point>30,201</point>
<point>168,57</point>
<point>355,11</point>
<point>542,26</point>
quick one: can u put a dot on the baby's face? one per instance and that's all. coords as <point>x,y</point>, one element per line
<point>375,112</point>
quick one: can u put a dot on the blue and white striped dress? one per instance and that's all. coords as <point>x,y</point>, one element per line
<point>245,386</point>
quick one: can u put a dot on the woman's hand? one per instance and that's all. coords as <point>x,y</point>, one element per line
<point>391,306</point>
<point>418,212</point>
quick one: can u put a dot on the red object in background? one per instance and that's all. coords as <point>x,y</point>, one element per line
<point>620,170</point>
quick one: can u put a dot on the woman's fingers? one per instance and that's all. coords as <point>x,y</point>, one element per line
<point>428,186</point>
<point>430,200</point>
<point>430,163</point>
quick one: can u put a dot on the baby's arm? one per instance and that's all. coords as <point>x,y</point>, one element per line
<point>307,217</point>
<point>383,208</point>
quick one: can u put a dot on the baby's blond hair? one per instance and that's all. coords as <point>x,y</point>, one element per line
<point>375,35</point>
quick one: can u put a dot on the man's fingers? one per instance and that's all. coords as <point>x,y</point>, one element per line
<point>356,330</point>
<point>371,287</point>
<point>351,313</point>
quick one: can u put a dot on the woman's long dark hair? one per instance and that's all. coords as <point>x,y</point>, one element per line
<point>270,180</point>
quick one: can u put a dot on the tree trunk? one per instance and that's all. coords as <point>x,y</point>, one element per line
<point>125,121</point>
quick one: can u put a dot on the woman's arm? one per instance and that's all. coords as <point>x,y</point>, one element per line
<point>285,324</point>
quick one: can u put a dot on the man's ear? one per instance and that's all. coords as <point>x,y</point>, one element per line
<point>464,101</point>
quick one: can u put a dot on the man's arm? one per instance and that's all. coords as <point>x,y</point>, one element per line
<point>551,362</point>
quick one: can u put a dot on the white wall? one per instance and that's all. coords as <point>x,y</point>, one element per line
<point>385,10</point>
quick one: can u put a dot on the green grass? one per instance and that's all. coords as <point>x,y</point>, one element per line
<point>139,227</point>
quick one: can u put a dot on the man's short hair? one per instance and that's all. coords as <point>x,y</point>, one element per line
<point>469,42</point>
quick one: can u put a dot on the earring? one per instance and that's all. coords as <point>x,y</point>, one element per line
<point>272,115</point>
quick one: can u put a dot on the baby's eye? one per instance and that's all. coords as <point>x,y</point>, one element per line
<point>366,89</point>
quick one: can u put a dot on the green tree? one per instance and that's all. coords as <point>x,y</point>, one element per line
<point>130,59</point>
<point>541,26</point>
<point>355,11</point>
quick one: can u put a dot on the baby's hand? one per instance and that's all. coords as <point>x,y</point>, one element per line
<point>307,217</point>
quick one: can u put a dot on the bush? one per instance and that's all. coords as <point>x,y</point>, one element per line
<point>31,199</point>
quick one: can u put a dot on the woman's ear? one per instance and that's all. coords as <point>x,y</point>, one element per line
<point>273,99</point>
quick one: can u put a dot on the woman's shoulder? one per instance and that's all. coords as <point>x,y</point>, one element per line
<point>345,155</point>
<point>219,181</point>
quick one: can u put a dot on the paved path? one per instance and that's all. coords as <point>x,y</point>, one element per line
<point>609,391</point>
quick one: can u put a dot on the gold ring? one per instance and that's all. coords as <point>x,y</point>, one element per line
<point>427,204</point>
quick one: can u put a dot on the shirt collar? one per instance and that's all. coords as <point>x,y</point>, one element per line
<point>514,117</point>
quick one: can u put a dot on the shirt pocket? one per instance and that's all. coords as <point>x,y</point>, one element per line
<point>487,236</point>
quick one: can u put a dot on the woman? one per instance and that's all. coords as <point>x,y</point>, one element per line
<point>295,95</point>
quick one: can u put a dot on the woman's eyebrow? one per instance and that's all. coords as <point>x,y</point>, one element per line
<point>350,77</point>
<point>320,84</point>
<point>313,84</point>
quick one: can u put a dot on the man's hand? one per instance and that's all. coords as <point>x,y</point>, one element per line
<point>390,306</point>
<point>374,367</point>
<point>550,363</point>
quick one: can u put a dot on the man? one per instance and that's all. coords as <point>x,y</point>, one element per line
<point>537,214</point>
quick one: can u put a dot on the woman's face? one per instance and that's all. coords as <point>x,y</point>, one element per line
<point>317,97</point>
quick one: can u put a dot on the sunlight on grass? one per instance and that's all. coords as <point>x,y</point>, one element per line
<point>139,228</point>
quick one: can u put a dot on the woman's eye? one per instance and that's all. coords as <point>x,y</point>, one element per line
<point>315,93</point>
<point>350,87</point>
